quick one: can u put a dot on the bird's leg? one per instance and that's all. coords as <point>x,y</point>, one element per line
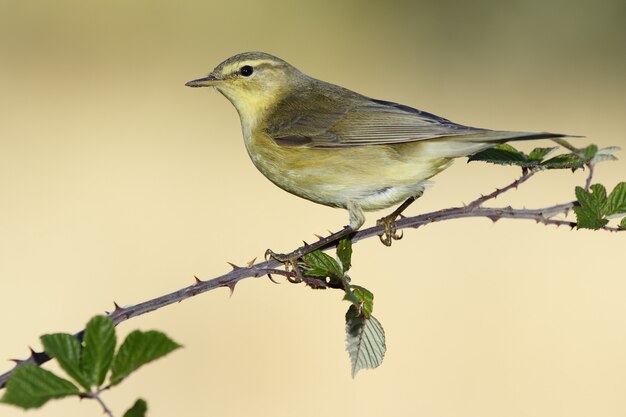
<point>306,249</point>
<point>389,222</point>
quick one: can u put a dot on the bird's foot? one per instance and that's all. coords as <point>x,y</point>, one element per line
<point>293,257</point>
<point>294,272</point>
<point>283,258</point>
<point>291,260</point>
<point>294,267</point>
<point>390,232</point>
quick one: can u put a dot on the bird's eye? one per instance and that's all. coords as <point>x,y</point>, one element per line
<point>246,70</point>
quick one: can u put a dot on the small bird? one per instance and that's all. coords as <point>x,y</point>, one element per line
<point>336,147</point>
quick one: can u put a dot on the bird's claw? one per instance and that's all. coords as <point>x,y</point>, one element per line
<point>280,257</point>
<point>390,232</point>
<point>291,264</point>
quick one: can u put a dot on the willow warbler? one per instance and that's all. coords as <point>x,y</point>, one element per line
<point>339,148</point>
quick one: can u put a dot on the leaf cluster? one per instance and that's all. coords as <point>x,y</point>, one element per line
<point>505,154</point>
<point>87,363</point>
<point>596,207</point>
<point>365,337</point>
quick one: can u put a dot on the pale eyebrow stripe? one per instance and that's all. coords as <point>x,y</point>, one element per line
<point>253,63</point>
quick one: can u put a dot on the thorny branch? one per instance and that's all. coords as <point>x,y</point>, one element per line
<point>543,215</point>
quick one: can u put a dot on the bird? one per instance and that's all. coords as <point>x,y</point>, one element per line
<point>339,148</point>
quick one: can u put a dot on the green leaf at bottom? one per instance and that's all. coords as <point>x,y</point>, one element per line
<point>31,387</point>
<point>137,410</point>
<point>66,349</point>
<point>100,342</point>
<point>138,349</point>
<point>365,340</point>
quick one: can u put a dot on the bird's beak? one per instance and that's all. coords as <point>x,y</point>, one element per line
<point>209,81</point>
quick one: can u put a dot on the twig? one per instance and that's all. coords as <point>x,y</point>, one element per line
<point>96,396</point>
<point>589,177</point>
<point>526,174</point>
<point>474,209</point>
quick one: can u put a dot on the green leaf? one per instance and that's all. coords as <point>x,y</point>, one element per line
<point>590,214</point>
<point>590,152</point>
<point>595,198</point>
<point>137,410</point>
<point>31,387</point>
<point>319,265</point>
<point>66,349</point>
<point>588,219</point>
<point>362,298</point>
<point>503,154</point>
<point>538,154</point>
<point>99,349</point>
<point>365,340</point>
<point>616,202</point>
<point>138,349</point>
<point>565,161</point>
<point>344,253</point>
<point>598,194</point>
<point>622,224</point>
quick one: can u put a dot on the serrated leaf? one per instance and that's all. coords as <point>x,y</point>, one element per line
<point>319,265</point>
<point>30,387</point>
<point>365,340</point>
<point>66,349</point>
<point>565,161</point>
<point>590,214</point>
<point>616,202</point>
<point>344,253</point>
<point>138,349</point>
<point>138,409</point>
<point>598,195</point>
<point>594,199</point>
<point>362,298</point>
<point>538,154</point>
<point>503,154</point>
<point>622,224</point>
<point>99,348</point>
<point>588,219</point>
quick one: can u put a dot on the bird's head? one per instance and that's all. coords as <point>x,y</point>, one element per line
<point>252,81</point>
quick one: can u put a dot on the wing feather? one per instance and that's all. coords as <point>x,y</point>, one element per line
<point>324,122</point>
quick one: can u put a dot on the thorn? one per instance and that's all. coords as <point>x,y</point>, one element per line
<point>251,262</point>
<point>231,287</point>
<point>272,279</point>
<point>198,280</point>
<point>304,242</point>
<point>33,354</point>
<point>117,307</point>
<point>235,267</point>
<point>494,218</point>
<point>318,236</point>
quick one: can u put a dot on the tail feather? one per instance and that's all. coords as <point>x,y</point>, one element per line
<point>507,136</point>
<point>460,146</point>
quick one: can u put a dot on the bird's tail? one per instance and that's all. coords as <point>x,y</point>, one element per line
<point>459,146</point>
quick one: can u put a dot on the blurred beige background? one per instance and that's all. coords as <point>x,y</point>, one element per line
<point>119,183</point>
